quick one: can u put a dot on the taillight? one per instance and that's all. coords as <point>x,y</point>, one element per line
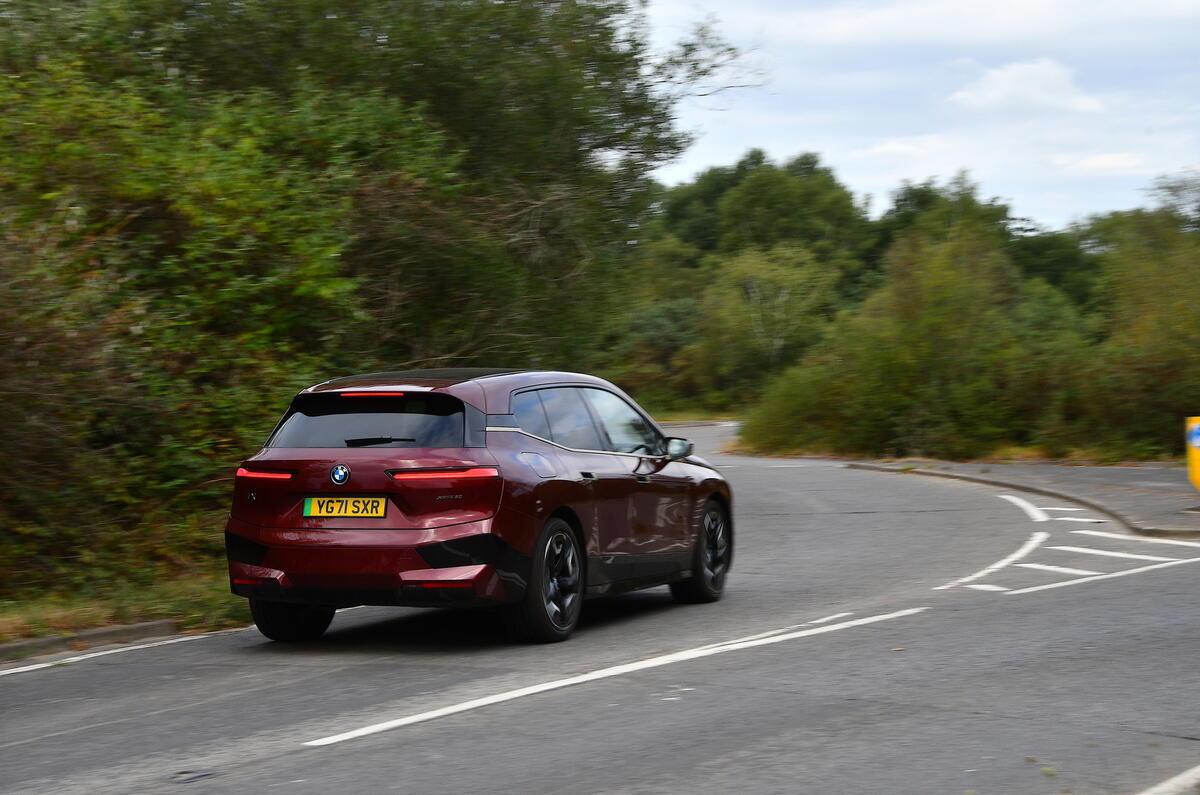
<point>259,473</point>
<point>444,474</point>
<point>370,394</point>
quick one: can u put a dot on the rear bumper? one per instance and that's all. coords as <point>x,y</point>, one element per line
<point>463,564</point>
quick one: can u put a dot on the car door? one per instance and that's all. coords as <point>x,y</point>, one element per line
<point>610,478</point>
<point>659,498</point>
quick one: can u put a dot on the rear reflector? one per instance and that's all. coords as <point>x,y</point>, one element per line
<point>447,584</point>
<point>371,394</point>
<point>445,474</point>
<point>244,581</point>
<point>253,473</point>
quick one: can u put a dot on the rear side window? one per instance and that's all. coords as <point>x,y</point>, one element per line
<point>530,416</point>
<point>330,420</point>
<point>570,421</point>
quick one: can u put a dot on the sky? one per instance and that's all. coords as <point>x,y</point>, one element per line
<point>1060,108</point>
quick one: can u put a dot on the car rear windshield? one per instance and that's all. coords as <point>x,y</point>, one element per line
<point>334,420</point>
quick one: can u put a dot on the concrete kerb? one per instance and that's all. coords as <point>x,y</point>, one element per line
<point>1123,521</point>
<point>19,649</point>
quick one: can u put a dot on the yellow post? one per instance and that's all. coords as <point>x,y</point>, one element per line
<point>1193,450</point>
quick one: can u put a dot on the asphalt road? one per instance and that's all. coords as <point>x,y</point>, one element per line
<point>879,634</point>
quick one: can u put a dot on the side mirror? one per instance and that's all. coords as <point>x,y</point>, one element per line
<point>678,448</point>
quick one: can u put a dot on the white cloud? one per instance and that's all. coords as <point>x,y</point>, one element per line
<point>1088,100</point>
<point>1107,164</point>
<point>1042,83</point>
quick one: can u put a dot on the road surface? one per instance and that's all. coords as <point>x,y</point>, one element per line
<point>879,633</point>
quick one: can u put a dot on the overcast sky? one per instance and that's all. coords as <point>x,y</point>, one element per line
<point>1060,107</point>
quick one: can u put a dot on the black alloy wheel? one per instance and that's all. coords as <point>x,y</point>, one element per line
<point>553,598</point>
<point>711,559</point>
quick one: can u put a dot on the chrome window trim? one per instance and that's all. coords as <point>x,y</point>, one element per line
<point>511,429</point>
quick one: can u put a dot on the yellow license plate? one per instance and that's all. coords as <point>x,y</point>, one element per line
<point>368,507</point>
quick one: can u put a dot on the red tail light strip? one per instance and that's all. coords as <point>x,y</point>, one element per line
<point>370,394</point>
<point>446,474</point>
<point>253,473</point>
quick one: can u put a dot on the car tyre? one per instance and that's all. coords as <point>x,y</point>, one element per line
<point>288,622</point>
<point>549,611</point>
<point>711,557</point>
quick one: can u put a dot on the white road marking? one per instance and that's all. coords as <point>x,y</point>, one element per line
<point>829,618</point>
<point>82,657</point>
<point>1144,539</point>
<point>1030,545</point>
<point>1058,569</point>
<point>1186,782</point>
<point>1054,508</point>
<point>1103,576</point>
<point>1079,519</point>
<point>1108,553</point>
<point>1035,513</point>
<point>983,586</point>
<point>603,673</point>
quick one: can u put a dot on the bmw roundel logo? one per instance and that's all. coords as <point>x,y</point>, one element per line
<point>339,474</point>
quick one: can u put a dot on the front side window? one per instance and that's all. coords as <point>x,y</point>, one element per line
<point>331,420</point>
<point>570,422</point>
<point>628,431</point>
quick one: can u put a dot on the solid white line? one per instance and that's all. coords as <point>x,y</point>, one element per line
<point>829,618</point>
<point>983,586</point>
<point>1185,782</point>
<point>1106,534</point>
<point>1030,545</point>
<point>603,673</point>
<point>1079,519</point>
<point>1053,508</point>
<point>1103,576</point>
<point>81,657</point>
<point>779,631</point>
<point>1058,569</point>
<point>1032,511</point>
<point>1108,553</point>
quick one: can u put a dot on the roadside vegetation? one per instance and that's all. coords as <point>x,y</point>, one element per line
<point>208,206</point>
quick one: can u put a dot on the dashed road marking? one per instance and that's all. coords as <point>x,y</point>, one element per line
<point>983,586</point>
<point>1109,553</point>
<point>1079,519</point>
<point>1058,569</point>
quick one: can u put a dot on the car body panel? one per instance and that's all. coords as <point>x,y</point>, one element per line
<point>459,542</point>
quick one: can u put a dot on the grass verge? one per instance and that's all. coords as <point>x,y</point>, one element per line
<point>200,601</point>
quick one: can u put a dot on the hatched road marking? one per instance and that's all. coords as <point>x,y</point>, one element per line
<point>1109,553</point>
<point>1058,569</point>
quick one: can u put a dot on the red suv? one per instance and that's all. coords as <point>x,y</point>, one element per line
<point>527,490</point>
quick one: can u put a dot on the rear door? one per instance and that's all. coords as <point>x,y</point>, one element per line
<point>610,478</point>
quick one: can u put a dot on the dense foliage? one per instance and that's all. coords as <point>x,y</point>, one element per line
<point>208,205</point>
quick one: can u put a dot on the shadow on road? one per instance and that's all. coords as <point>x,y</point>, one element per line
<point>436,631</point>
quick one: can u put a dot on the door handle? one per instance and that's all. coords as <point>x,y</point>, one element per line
<point>587,475</point>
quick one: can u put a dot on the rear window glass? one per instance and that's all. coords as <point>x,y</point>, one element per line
<point>330,420</point>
